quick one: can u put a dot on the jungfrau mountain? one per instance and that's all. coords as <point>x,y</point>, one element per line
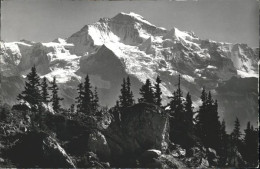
<point>127,44</point>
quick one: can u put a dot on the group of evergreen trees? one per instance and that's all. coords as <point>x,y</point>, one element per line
<point>149,94</point>
<point>87,100</point>
<point>208,124</point>
<point>36,92</point>
<point>126,98</point>
<point>205,125</point>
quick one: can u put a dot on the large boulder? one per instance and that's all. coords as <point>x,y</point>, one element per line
<point>142,127</point>
<point>148,125</point>
<point>38,149</point>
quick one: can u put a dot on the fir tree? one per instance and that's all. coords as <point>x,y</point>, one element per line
<point>129,93</point>
<point>31,93</point>
<point>116,112</point>
<point>95,102</point>
<point>188,111</point>
<point>123,101</point>
<point>176,102</point>
<point>87,97</point>
<point>44,90</point>
<point>236,132</point>
<point>158,92</point>
<point>173,102</point>
<point>177,118</point>
<point>146,92</point>
<point>223,143</point>
<point>250,152</point>
<point>202,115</point>
<point>248,133</point>
<point>213,126</point>
<point>55,99</point>
<point>79,99</point>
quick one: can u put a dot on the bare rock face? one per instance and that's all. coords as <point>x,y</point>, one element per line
<point>147,125</point>
<point>142,127</point>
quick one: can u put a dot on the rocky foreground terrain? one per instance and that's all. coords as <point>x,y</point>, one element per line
<point>139,139</point>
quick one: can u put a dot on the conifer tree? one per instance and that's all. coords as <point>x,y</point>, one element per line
<point>146,92</point>
<point>202,115</point>
<point>129,93</point>
<point>79,99</point>
<point>188,111</point>
<point>87,97</point>
<point>95,102</point>
<point>213,126</point>
<point>55,99</point>
<point>44,90</point>
<point>176,102</point>
<point>31,93</point>
<point>180,120</point>
<point>123,97</point>
<point>250,153</point>
<point>173,102</point>
<point>223,143</point>
<point>236,132</point>
<point>208,124</point>
<point>158,92</point>
<point>248,133</point>
<point>116,112</point>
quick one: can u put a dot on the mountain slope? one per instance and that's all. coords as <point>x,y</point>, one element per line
<point>127,44</point>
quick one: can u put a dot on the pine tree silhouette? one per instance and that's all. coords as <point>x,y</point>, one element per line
<point>123,101</point>
<point>236,132</point>
<point>176,103</point>
<point>223,144</point>
<point>79,99</point>
<point>44,90</point>
<point>95,102</point>
<point>188,118</point>
<point>55,99</point>
<point>208,125</point>
<point>158,92</point>
<point>202,116</point>
<point>129,93</point>
<point>31,93</point>
<point>87,97</point>
<point>212,124</point>
<point>250,152</point>
<point>146,92</point>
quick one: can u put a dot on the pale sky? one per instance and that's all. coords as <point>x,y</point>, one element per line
<point>234,21</point>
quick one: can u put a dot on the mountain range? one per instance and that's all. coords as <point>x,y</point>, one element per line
<point>128,45</point>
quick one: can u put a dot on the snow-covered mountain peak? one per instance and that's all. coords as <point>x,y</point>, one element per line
<point>113,48</point>
<point>131,17</point>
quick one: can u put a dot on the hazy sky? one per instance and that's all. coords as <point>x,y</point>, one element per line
<point>233,21</point>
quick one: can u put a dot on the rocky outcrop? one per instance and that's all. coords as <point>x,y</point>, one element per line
<point>142,127</point>
<point>148,125</point>
<point>38,149</point>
